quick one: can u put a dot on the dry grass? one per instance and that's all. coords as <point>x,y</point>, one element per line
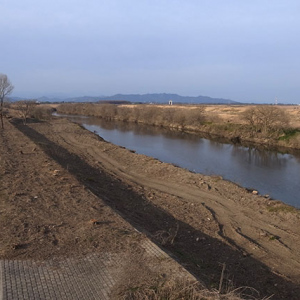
<point>167,237</point>
<point>281,207</point>
<point>183,289</point>
<point>151,278</point>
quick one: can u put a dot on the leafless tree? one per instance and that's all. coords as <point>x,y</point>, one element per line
<point>26,108</point>
<point>109,111</point>
<point>5,89</point>
<point>266,119</point>
<point>251,118</point>
<point>195,117</point>
<point>180,118</point>
<point>271,117</point>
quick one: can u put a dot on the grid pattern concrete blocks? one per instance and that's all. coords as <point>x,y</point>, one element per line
<point>86,278</point>
<point>92,277</point>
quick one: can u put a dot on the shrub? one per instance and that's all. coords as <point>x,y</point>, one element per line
<point>266,119</point>
<point>42,113</point>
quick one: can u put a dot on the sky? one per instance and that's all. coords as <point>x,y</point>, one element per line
<point>246,51</point>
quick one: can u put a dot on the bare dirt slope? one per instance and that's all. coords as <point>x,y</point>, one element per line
<point>56,177</point>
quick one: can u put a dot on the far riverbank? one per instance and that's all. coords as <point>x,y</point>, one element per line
<point>228,122</point>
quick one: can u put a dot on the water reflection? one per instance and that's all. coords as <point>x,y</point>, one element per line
<point>260,158</point>
<point>138,129</point>
<point>269,172</point>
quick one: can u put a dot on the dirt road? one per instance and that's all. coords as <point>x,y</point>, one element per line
<point>56,177</point>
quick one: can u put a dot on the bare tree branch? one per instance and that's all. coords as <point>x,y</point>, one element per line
<point>5,89</point>
<point>266,119</point>
<point>26,108</point>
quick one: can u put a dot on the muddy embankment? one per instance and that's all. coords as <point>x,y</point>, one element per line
<point>272,127</point>
<point>56,177</point>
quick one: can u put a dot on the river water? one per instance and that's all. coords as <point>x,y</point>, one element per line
<point>271,173</point>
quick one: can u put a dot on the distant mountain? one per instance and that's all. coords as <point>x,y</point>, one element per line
<point>54,99</point>
<point>145,98</point>
<point>165,98</point>
<point>72,99</point>
<point>13,99</point>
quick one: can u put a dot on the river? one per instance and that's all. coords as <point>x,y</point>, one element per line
<point>271,173</point>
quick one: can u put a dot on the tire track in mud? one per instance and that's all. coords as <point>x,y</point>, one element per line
<point>205,198</point>
<point>235,223</point>
<point>229,214</point>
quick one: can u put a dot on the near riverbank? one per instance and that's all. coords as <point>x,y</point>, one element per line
<point>66,192</point>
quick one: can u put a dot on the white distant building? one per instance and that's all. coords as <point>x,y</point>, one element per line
<point>170,102</point>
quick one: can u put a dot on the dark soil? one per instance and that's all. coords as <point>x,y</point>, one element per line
<point>66,192</point>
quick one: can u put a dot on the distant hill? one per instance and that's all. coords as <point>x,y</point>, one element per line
<point>73,99</point>
<point>52,99</point>
<point>164,98</point>
<point>145,98</point>
<point>13,99</point>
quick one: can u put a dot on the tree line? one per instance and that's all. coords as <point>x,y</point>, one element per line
<point>260,121</point>
<point>265,121</point>
<point>166,116</point>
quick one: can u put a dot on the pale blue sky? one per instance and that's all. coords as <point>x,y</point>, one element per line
<point>237,49</point>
